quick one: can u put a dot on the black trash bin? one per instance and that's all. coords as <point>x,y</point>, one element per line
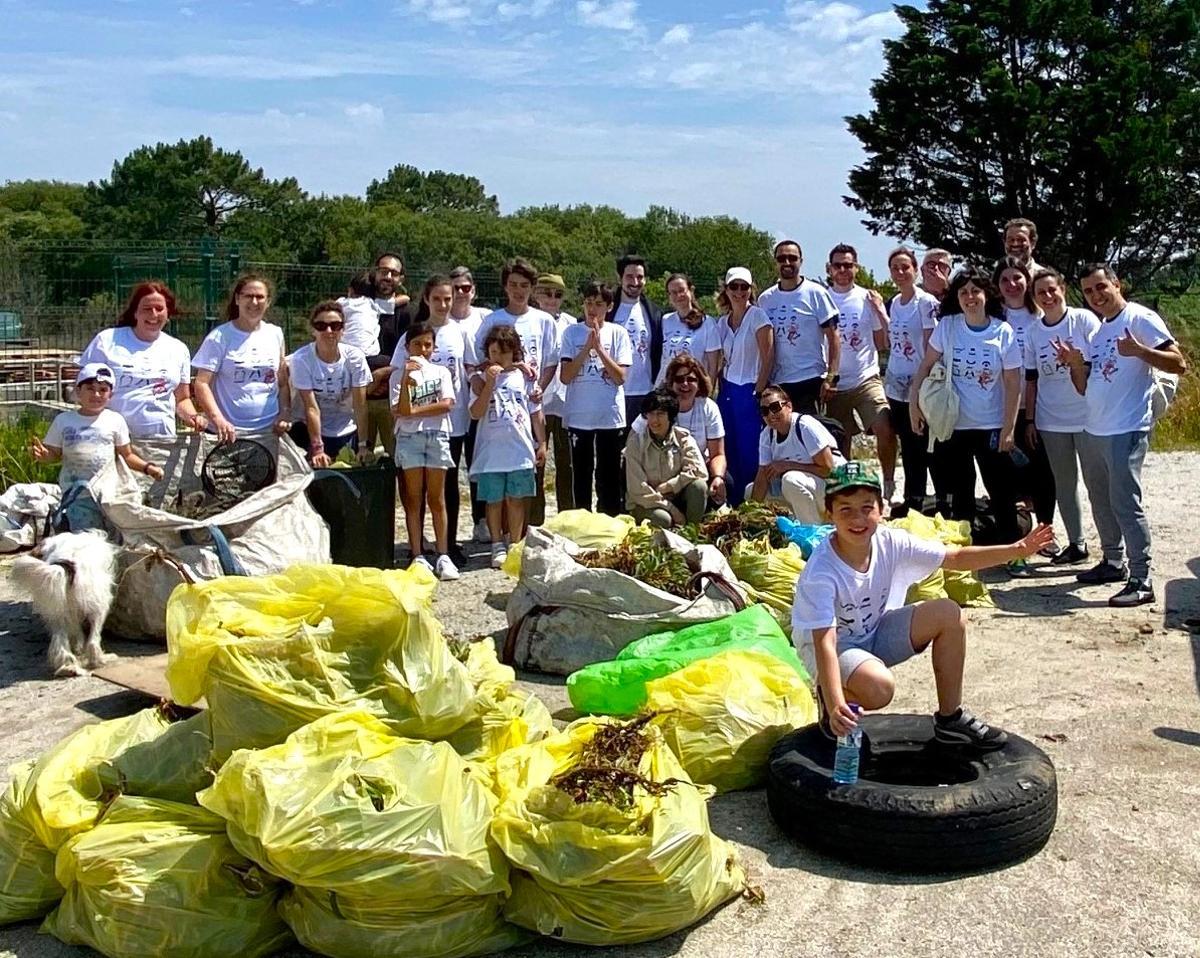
<point>360,506</point>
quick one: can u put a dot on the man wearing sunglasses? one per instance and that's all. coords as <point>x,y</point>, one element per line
<point>805,322</point>
<point>863,329</point>
<point>548,296</point>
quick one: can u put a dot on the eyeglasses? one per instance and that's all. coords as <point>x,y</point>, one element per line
<point>386,271</point>
<point>842,265</point>
<point>937,267</point>
<point>321,326</point>
<point>787,259</point>
<point>771,408</point>
<point>463,289</point>
<point>738,287</point>
<point>553,293</point>
<point>680,380</point>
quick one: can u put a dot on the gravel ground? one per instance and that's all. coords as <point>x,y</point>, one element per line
<point>1111,696</point>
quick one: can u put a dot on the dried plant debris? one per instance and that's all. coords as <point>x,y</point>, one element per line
<point>750,520</point>
<point>658,566</point>
<point>607,770</point>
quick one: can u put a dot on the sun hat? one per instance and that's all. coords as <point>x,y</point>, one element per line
<point>98,372</point>
<point>552,280</point>
<point>739,272</point>
<point>853,475</point>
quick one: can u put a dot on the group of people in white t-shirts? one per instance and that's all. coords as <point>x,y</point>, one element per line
<point>665,416</point>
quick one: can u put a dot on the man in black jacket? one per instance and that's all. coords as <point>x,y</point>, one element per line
<point>643,322</point>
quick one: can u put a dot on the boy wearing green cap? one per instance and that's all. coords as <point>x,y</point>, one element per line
<point>849,621</point>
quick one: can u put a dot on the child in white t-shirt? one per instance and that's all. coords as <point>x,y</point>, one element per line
<point>510,444</point>
<point>849,622</point>
<point>422,395</point>
<point>361,314</point>
<point>86,441</point>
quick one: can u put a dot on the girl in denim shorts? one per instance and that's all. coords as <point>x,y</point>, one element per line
<point>422,395</point>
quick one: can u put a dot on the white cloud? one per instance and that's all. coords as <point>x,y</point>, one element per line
<point>617,15</point>
<point>678,35</point>
<point>838,22</point>
<point>441,11</point>
<point>366,113</point>
<point>187,12</point>
<point>531,8</point>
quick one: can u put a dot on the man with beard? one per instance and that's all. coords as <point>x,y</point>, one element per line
<point>388,279</point>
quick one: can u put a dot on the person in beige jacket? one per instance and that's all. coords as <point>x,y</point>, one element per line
<point>665,475</point>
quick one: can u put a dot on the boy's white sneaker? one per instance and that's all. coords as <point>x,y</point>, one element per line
<point>482,533</point>
<point>423,562</point>
<point>499,554</point>
<point>446,570</point>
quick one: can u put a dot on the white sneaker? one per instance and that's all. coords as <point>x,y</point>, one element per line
<point>423,562</point>
<point>499,554</point>
<point>482,532</point>
<point>446,569</point>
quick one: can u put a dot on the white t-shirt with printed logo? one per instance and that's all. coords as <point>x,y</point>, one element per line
<point>906,334</point>
<point>504,439</point>
<point>980,358</point>
<point>245,369</point>
<point>147,375</point>
<point>857,322</point>
<point>1119,387</point>
<point>1060,407</point>
<point>538,333</point>
<point>1020,320</point>
<point>331,385</point>
<point>702,422</point>
<point>680,340</point>
<point>594,400</point>
<point>470,325</point>
<point>805,438</point>
<point>632,318</point>
<point>88,443</point>
<point>740,346</point>
<point>831,593</point>
<point>450,350</point>
<point>362,324</point>
<point>800,317</point>
<point>428,385</point>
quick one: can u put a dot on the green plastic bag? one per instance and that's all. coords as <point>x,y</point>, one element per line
<point>159,878</point>
<point>174,766</point>
<point>596,873</point>
<point>345,927</point>
<point>722,715</point>
<point>619,687</point>
<point>272,654</point>
<point>28,888</point>
<point>345,806</point>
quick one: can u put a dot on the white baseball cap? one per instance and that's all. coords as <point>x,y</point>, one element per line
<point>739,272</point>
<point>98,372</point>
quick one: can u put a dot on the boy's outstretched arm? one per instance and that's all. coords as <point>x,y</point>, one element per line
<point>973,558</point>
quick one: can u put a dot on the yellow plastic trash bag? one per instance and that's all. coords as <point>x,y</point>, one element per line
<point>587,529</point>
<point>28,888</point>
<point>722,715</point>
<point>345,806</point>
<point>65,795</point>
<point>965,588</point>
<point>771,573</point>
<point>345,927</point>
<point>174,766</point>
<point>273,654</point>
<point>635,867</point>
<point>510,719</point>
<point>158,878</point>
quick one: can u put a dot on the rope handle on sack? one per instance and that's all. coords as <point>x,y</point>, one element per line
<point>509,650</point>
<point>722,585</point>
<point>160,555</point>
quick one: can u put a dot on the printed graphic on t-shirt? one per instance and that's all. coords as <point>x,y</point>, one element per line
<point>508,405</point>
<point>851,333</point>
<point>426,392</point>
<point>858,618</point>
<point>974,366</point>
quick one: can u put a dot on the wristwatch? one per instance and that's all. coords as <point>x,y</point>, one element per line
<point>834,379</point>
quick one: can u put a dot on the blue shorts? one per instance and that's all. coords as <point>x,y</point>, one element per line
<point>498,486</point>
<point>890,643</point>
<point>423,450</point>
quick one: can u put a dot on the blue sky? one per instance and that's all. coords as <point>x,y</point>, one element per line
<point>703,106</point>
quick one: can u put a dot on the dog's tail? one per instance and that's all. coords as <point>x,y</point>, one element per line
<point>44,581</point>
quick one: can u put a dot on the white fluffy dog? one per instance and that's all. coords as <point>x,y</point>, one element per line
<point>69,579</point>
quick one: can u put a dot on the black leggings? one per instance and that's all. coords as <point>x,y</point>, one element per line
<point>477,507</point>
<point>914,453</point>
<point>806,396</point>
<point>452,494</point>
<point>597,451</point>
<point>1035,482</point>
<point>958,456</point>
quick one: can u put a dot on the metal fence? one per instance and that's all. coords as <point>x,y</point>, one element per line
<point>57,296</point>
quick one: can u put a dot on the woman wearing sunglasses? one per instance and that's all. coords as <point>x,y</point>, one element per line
<point>330,379</point>
<point>795,454</point>
<point>748,347</point>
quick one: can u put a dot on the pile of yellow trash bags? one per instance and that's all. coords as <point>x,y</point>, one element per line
<point>357,783</point>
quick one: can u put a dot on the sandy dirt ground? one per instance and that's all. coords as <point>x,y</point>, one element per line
<point>1111,696</point>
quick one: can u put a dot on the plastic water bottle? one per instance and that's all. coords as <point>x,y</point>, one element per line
<point>845,759</point>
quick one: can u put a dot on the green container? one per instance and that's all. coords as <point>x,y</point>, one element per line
<point>359,504</point>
